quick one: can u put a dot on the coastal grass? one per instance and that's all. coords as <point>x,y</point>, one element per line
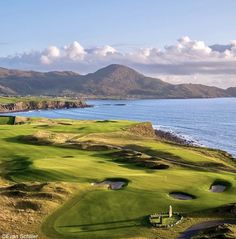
<point>15,99</point>
<point>96,212</point>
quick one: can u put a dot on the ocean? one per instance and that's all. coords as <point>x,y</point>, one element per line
<point>207,122</point>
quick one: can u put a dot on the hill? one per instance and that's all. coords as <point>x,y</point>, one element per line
<point>232,91</point>
<point>111,81</point>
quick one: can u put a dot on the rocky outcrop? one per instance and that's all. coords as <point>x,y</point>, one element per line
<point>37,105</point>
<point>171,137</point>
<point>142,129</point>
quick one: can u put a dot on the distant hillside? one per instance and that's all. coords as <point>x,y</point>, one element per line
<point>232,91</point>
<point>6,91</point>
<point>111,81</point>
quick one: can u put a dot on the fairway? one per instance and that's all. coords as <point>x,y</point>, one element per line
<point>50,151</point>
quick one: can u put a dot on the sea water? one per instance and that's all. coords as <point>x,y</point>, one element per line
<point>209,122</point>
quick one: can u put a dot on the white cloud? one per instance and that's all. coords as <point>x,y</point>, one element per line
<point>104,50</point>
<point>187,59</point>
<point>49,55</point>
<point>74,51</point>
<point>212,80</point>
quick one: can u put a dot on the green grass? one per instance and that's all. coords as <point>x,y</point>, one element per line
<point>168,221</point>
<point>165,220</point>
<point>98,212</point>
<point>7,120</point>
<point>14,99</point>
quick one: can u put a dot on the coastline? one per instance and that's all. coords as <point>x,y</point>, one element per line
<point>22,106</point>
<point>161,118</point>
<point>174,138</point>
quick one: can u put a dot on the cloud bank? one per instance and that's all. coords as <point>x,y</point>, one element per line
<point>185,61</point>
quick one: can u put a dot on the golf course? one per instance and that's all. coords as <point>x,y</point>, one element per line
<point>117,173</point>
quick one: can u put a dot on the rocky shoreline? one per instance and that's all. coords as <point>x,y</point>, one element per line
<point>171,137</point>
<point>41,105</point>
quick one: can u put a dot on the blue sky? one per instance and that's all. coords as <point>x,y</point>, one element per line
<point>29,24</point>
<point>168,39</point>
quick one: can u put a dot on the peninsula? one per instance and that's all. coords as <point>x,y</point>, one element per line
<point>18,104</point>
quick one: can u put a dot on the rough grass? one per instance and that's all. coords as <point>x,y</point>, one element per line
<point>222,231</point>
<point>101,213</point>
<point>22,209</point>
<point>14,99</point>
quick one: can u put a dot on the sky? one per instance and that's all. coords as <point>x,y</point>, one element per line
<point>171,40</point>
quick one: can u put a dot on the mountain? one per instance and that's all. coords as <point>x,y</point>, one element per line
<point>232,91</point>
<point>6,91</point>
<point>118,80</point>
<point>37,83</point>
<point>111,81</point>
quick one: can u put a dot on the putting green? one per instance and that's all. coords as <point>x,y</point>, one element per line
<point>96,212</point>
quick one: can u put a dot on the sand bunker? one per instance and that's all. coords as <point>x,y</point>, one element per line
<point>112,184</point>
<point>182,196</point>
<point>217,188</point>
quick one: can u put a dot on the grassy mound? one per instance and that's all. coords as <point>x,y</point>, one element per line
<point>14,193</point>
<point>26,204</point>
<point>218,232</point>
<point>33,190</point>
<point>137,159</point>
<point>27,187</point>
<point>228,210</point>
